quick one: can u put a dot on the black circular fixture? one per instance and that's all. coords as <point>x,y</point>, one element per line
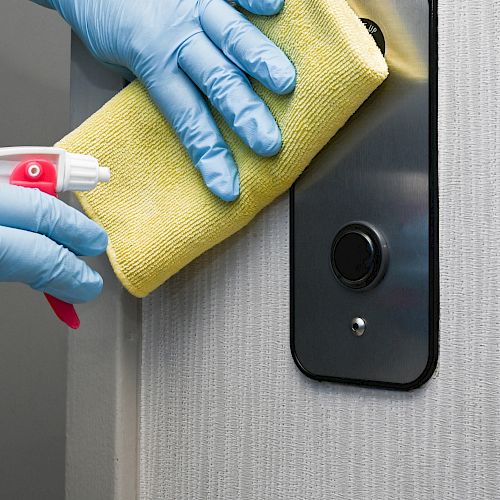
<point>359,256</point>
<point>375,31</point>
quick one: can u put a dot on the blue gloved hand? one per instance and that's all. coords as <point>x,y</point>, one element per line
<point>175,46</point>
<point>40,237</point>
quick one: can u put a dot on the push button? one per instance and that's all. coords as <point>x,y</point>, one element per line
<point>359,255</point>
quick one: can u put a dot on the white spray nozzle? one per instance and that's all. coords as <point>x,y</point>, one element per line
<point>82,173</point>
<point>75,172</point>
<point>104,174</point>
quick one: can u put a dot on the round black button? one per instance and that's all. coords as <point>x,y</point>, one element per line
<point>357,255</point>
<point>354,256</point>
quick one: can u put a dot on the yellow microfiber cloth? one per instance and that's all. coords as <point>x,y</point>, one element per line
<point>158,213</point>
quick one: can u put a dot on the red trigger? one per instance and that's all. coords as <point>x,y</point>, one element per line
<point>42,174</point>
<point>35,173</point>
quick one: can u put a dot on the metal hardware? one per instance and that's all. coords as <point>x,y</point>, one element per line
<point>358,326</point>
<point>364,221</point>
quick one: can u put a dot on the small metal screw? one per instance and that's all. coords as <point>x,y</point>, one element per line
<point>358,326</point>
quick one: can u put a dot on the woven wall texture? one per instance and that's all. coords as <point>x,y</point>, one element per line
<point>224,412</point>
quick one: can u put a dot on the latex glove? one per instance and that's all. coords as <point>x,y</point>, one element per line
<point>175,46</point>
<point>40,237</point>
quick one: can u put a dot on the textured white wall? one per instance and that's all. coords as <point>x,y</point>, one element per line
<point>224,412</point>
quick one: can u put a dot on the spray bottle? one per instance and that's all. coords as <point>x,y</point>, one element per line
<point>53,171</point>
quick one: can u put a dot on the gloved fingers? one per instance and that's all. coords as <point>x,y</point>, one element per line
<point>32,210</point>
<point>261,7</point>
<point>38,261</point>
<point>247,47</point>
<point>186,110</point>
<point>231,94</point>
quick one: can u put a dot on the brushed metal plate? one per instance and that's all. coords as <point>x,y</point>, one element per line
<point>381,168</point>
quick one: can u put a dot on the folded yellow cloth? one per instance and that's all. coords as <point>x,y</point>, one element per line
<point>158,214</point>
